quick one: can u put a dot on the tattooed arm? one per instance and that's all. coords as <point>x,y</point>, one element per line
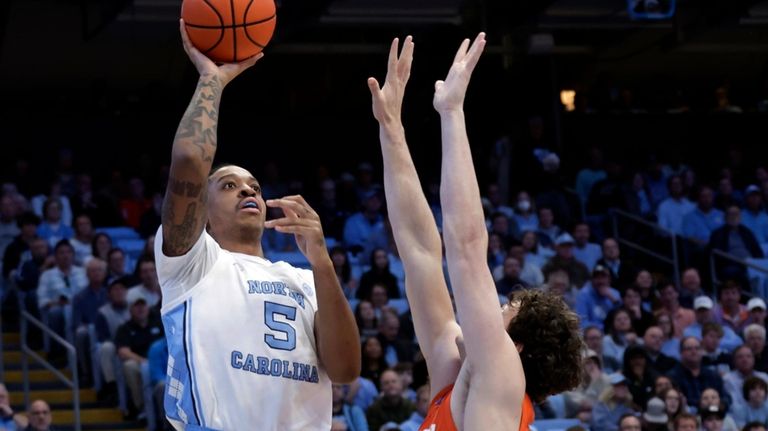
<point>184,207</point>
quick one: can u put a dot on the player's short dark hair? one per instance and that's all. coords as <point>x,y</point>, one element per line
<point>552,346</point>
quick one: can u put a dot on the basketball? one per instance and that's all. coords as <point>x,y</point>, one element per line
<point>229,31</point>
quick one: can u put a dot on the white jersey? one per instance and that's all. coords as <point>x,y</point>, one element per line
<point>241,342</point>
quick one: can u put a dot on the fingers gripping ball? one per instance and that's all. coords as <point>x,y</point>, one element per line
<point>229,31</point>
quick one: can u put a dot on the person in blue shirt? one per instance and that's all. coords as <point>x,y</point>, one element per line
<point>9,420</point>
<point>351,415</point>
<point>672,209</point>
<point>705,218</point>
<point>597,298</point>
<point>364,224</point>
<point>754,216</point>
<point>703,308</point>
<point>422,405</point>
<point>584,251</point>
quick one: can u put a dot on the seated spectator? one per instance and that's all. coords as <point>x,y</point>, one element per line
<point>547,230</point>
<point>535,253</point>
<point>588,176</point>
<point>639,197</point>
<point>703,305</point>
<point>9,228</point>
<point>133,340</point>
<point>379,273</point>
<point>9,420</point>
<point>28,276</point>
<point>405,371</point>
<point>511,281</point>
<point>82,239</point>
<point>584,251</point>
<point>525,213</point>
<point>630,422</point>
<point>109,318</point>
<point>690,375</point>
<point>671,210</point>
<point>712,418</point>
<point>117,267</point>
<point>690,287</point>
<point>715,358</point>
<point>135,204</point>
<point>655,417</point>
<point>350,415</point>
<point>374,363</point>
<point>661,384</point>
<point>504,226</point>
<point>530,273</point>
<point>593,382</point>
<point>596,298</point>
<point>365,223</point>
<point>366,319</point>
<point>757,311</point>
<point>726,195</point>
<point>729,311</point>
<point>55,194</point>
<point>710,397</point>
<point>646,286</point>
<point>754,405</point>
<point>622,273</point>
<point>737,240</point>
<point>100,247</point>
<point>674,402</point>
<point>343,271</point>
<point>396,348</point>
<point>150,285</point>
<point>681,317</point>
<point>151,219</point>
<point>652,343</point>
<point>564,260</point>
<point>754,337</point>
<point>39,415</point>
<point>632,302</point>
<point>754,426</point>
<point>362,393</point>
<point>85,308</point>
<point>593,339</point>
<point>53,229</point>
<point>619,335</point>
<point>559,284</point>
<point>754,216</point>
<point>743,368</point>
<point>496,250</point>
<point>670,345</point>
<point>685,422</point>
<point>639,374</point>
<point>12,258</point>
<point>614,402</point>
<point>422,405</point>
<point>391,405</point>
<point>700,222</point>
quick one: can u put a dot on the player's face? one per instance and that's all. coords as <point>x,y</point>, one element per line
<point>235,201</point>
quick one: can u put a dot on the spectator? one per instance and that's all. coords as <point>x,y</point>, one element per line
<point>109,318</point>
<point>53,229</point>
<point>661,384</point>
<point>82,239</point>
<point>367,322</point>
<point>100,246</point>
<point>364,224</point>
<point>685,422</point>
<point>505,227</point>
<point>85,308</point>
<point>391,405</point>
<point>681,316</point>
<point>584,251</point>
<point>756,308</point>
<point>744,368</point>
<point>726,195</point>
<point>670,344</point>
<point>511,281</point>
<point>9,420</point>
<point>379,273</point>
<point>593,383</point>
<point>593,339</point>
<point>496,250</point>
<point>327,207</point>
<point>674,402</point>
<point>655,417</point>
<point>715,358</point>
<point>596,298</point>
<point>373,359</point>
<point>632,302</point>
<point>151,219</point>
<point>9,228</point>
<point>712,418</point>
<point>343,271</point>
<point>39,416</point>
<point>525,213</point>
<point>753,406</point>
<point>710,397</point>
<point>729,311</point>
<point>133,340</point>
<point>40,202</point>
<point>652,343</point>
<point>753,426</point>
<point>639,197</point>
<point>645,285</point>
<point>133,206</point>
<point>150,285</point>
<point>619,335</point>
<point>28,276</point>
<point>622,273</point>
<point>700,222</point>
<point>350,415</point>
<point>547,230</point>
<point>362,393</point>
<point>754,337</point>
<point>564,259</point>
<point>587,177</point>
<point>530,273</point>
<point>629,422</point>
<point>395,348</point>
<point>493,202</point>
<point>614,403</point>
<point>690,375</point>
<point>703,305</point>
<point>672,209</point>
<point>735,239</point>
<point>12,259</point>
<point>754,216</point>
<point>559,284</point>
<point>690,287</point>
<point>640,376</point>
<point>535,253</point>
<point>116,265</point>
<point>422,405</point>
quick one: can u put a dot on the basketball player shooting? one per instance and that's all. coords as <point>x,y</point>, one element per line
<point>253,345</point>
<point>485,373</point>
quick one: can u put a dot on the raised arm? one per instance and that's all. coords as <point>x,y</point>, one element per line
<point>414,227</point>
<point>495,366</point>
<point>184,208</point>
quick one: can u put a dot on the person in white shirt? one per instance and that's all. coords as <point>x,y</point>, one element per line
<point>253,344</point>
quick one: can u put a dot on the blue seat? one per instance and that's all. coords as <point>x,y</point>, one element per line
<point>294,258</point>
<point>119,232</point>
<point>556,424</point>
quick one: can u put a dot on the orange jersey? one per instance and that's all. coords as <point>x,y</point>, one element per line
<point>439,414</point>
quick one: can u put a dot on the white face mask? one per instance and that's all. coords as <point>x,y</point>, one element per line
<point>524,205</point>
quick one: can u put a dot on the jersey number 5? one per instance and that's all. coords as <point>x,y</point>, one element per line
<point>288,339</point>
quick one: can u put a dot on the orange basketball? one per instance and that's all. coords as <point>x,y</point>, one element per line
<point>229,31</point>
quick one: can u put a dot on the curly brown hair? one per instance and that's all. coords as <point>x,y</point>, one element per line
<point>552,345</point>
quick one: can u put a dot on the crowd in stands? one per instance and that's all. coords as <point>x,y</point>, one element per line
<point>663,351</point>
